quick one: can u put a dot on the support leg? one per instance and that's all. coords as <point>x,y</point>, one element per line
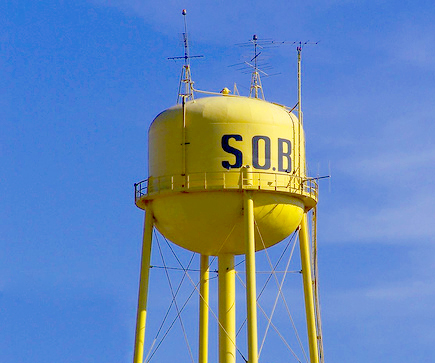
<point>308,289</point>
<point>204,289</point>
<point>143,287</point>
<point>227,309</point>
<point>251,294</point>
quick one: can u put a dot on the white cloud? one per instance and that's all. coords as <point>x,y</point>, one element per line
<point>413,44</point>
<point>409,220</point>
<point>390,165</point>
<point>399,298</point>
<point>214,21</point>
<point>402,291</point>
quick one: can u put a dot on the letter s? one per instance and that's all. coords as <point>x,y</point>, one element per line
<point>231,150</point>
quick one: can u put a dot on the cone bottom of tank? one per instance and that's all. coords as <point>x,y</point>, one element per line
<point>212,223</point>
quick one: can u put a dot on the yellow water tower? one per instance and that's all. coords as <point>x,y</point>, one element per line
<point>227,176</point>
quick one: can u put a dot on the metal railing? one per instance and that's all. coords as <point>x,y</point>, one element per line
<point>229,180</point>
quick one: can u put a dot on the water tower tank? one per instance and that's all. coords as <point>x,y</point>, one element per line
<point>203,154</point>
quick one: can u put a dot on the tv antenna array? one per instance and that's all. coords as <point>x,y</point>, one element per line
<point>256,89</point>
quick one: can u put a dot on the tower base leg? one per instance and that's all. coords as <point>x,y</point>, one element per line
<point>251,294</point>
<point>143,287</point>
<point>204,289</point>
<point>308,289</point>
<point>227,309</point>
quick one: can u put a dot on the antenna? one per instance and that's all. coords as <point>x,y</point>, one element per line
<point>253,66</point>
<point>299,50</point>
<point>255,78</point>
<point>186,76</point>
<point>299,47</point>
<point>236,91</point>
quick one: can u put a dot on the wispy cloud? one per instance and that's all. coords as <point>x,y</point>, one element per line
<point>401,292</point>
<point>399,298</point>
<point>220,16</point>
<point>390,165</point>
<point>413,44</point>
<point>407,220</point>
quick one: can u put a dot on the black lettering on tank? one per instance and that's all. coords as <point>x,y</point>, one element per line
<point>231,150</point>
<point>284,155</point>
<point>255,152</point>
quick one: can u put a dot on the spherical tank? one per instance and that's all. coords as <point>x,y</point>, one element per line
<point>206,153</point>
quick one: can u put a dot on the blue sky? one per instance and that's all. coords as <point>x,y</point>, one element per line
<point>81,82</point>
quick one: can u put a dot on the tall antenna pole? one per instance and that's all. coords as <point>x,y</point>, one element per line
<point>255,79</point>
<point>300,117</point>
<point>188,84</point>
<point>299,49</point>
<point>185,88</point>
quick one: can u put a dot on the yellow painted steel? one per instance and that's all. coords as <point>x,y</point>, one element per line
<point>227,309</point>
<point>308,289</point>
<point>186,218</point>
<point>203,153</point>
<point>207,119</point>
<point>204,289</point>
<point>300,115</point>
<point>183,140</point>
<point>301,158</point>
<point>316,285</point>
<point>216,164</point>
<point>143,287</point>
<point>251,295</point>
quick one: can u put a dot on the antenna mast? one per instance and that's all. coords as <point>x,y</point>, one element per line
<point>185,89</point>
<point>256,87</point>
<point>187,79</point>
<point>299,49</point>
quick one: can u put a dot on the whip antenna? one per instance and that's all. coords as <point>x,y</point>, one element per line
<point>185,88</point>
<point>299,50</point>
<point>256,87</point>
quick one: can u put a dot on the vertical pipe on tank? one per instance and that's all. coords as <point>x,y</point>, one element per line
<point>251,295</point>
<point>143,287</point>
<point>308,289</point>
<point>299,85</point>
<point>183,140</point>
<point>247,176</point>
<point>227,309</point>
<point>204,289</point>
<point>300,116</point>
